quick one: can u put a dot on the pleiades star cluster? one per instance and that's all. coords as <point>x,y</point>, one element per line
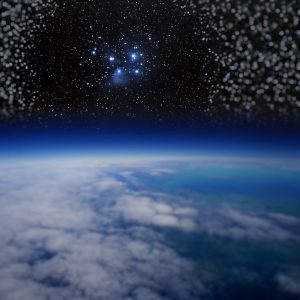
<point>126,66</point>
<point>124,59</point>
<point>150,60</point>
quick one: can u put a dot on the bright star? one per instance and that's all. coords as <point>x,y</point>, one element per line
<point>136,71</point>
<point>133,56</point>
<point>119,77</point>
<point>111,58</point>
<point>94,52</point>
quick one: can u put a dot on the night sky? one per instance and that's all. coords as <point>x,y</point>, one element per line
<point>150,61</point>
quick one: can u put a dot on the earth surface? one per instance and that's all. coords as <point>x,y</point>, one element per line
<point>150,229</point>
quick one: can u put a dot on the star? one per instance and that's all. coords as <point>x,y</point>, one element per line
<point>133,56</point>
<point>111,58</point>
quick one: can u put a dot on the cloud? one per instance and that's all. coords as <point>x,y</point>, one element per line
<point>161,171</point>
<point>289,282</point>
<point>78,232</point>
<point>146,210</point>
<point>109,184</point>
<point>61,238</point>
<point>237,224</point>
<point>285,219</point>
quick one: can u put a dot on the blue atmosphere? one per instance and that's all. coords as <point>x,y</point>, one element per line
<point>125,139</point>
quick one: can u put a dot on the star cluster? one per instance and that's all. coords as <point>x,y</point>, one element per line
<point>125,67</point>
<point>125,60</point>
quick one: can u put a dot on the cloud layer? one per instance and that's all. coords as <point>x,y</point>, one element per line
<point>62,237</point>
<point>82,232</point>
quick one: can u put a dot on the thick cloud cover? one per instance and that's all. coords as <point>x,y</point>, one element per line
<point>80,232</point>
<point>62,237</point>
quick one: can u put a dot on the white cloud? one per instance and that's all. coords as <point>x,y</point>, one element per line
<point>79,233</point>
<point>146,210</point>
<point>237,224</point>
<point>61,239</point>
<point>109,184</point>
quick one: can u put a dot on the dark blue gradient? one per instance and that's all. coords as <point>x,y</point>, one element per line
<point>18,140</point>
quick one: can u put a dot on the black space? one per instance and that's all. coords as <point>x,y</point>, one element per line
<point>209,62</point>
